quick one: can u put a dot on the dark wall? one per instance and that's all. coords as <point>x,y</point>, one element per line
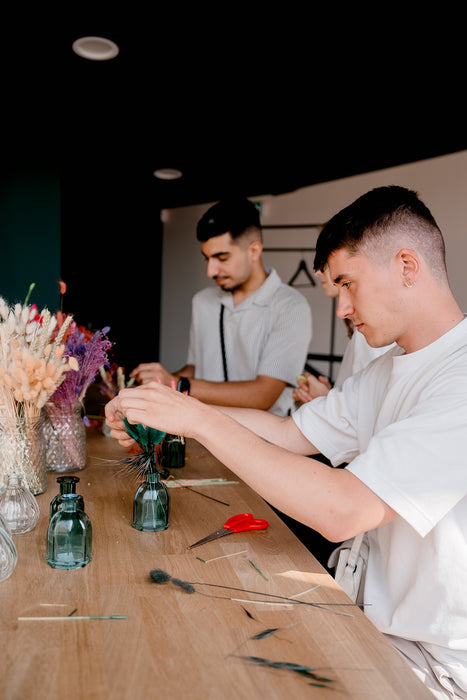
<point>104,241</point>
<point>57,217</point>
<point>111,250</point>
<point>30,234</point>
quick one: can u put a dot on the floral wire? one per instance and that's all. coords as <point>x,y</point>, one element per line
<point>76,617</point>
<point>160,576</point>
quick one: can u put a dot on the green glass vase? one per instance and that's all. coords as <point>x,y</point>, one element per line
<point>67,484</point>
<point>69,535</point>
<point>151,504</point>
<point>173,451</point>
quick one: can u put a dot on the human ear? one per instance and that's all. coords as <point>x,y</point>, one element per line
<point>409,263</point>
<point>255,248</point>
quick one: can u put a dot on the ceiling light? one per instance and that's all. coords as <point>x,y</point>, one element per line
<point>168,174</point>
<point>96,48</point>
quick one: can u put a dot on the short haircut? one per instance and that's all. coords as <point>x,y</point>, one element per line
<point>379,223</point>
<point>235,216</point>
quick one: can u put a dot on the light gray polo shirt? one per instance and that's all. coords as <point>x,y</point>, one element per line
<point>269,333</point>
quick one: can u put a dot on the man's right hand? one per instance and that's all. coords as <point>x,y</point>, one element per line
<point>153,372</point>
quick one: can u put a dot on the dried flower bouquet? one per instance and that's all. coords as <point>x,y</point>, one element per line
<point>32,362</point>
<point>65,429</point>
<point>32,365</point>
<point>90,350</point>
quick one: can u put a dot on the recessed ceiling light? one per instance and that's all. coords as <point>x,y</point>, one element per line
<point>168,174</point>
<point>96,48</point>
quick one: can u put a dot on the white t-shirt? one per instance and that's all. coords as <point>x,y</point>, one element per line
<point>268,333</point>
<point>401,423</point>
<point>358,354</point>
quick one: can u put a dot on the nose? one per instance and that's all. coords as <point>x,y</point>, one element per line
<point>212,268</point>
<point>345,308</point>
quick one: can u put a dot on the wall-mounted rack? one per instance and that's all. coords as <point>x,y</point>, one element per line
<point>330,357</point>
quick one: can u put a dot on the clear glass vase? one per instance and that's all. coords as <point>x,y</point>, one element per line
<point>65,437</point>
<point>8,553</point>
<point>22,450</point>
<point>69,535</point>
<point>18,505</point>
<point>151,504</point>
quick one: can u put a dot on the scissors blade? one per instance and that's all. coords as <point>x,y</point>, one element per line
<point>212,536</point>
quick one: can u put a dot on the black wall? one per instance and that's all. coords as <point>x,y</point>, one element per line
<point>104,241</point>
<point>30,233</point>
<point>110,260</point>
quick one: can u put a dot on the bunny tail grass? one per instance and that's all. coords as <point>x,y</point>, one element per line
<point>184,585</point>
<point>159,576</point>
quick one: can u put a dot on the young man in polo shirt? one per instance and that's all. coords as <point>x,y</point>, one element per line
<point>249,334</point>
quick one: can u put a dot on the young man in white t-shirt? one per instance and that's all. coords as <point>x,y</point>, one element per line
<point>356,356</point>
<point>400,424</point>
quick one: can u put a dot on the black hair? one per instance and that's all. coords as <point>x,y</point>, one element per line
<point>234,216</point>
<point>362,226</point>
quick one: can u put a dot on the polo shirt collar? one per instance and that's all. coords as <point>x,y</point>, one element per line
<point>261,297</point>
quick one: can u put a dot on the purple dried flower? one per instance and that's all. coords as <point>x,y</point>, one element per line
<point>91,353</point>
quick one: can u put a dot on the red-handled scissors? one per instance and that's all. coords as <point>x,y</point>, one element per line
<point>237,523</point>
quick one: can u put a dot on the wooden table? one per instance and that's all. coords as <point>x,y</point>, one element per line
<point>174,644</point>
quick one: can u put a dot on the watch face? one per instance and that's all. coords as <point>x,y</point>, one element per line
<point>183,385</point>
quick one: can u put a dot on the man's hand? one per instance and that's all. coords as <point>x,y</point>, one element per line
<point>154,406</point>
<point>153,372</point>
<point>309,387</point>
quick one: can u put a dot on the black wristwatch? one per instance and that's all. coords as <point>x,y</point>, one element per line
<point>184,385</point>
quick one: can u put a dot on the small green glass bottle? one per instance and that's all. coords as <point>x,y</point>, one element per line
<point>69,535</point>
<point>151,504</point>
<point>67,484</point>
<point>173,451</point>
